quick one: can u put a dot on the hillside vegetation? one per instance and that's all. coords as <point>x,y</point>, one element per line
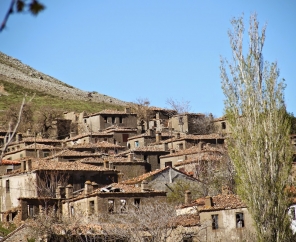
<point>18,79</point>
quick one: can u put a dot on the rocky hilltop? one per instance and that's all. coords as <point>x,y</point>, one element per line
<point>13,70</point>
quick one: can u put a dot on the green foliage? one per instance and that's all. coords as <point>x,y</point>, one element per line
<point>259,142</point>
<point>5,229</point>
<point>176,191</point>
<point>41,99</point>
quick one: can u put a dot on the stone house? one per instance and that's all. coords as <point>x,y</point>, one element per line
<point>141,140</point>
<point>34,151</point>
<point>121,134</point>
<point>41,178</point>
<point>106,118</point>
<point>162,179</point>
<point>103,147</point>
<point>72,155</point>
<point>184,123</point>
<point>195,152</point>
<point>151,155</point>
<point>9,165</point>
<point>89,138</point>
<point>224,217</point>
<point>222,125</point>
<point>113,199</point>
<point>129,167</point>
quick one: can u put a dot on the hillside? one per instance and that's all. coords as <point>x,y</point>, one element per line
<point>17,79</point>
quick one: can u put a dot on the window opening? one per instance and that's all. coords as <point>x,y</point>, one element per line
<point>123,206</point>
<point>223,125</point>
<point>168,163</point>
<point>113,120</point>
<point>30,210</point>
<point>110,206</point>
<point>215,221</point>
<point>136,143</point>
<point>240,220</point>
<point>91,207</point>
<point>120,120</point>
<point>72,211</point>
<point>7,186</point>
<point>137,202</point>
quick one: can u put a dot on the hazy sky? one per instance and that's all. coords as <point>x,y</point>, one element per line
<point>157,49</point>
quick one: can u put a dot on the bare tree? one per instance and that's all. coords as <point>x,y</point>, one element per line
<point>13,125</point>
<point>180,107</point>
<point>203,124</point>
<point>153,222</point>
<point>258,143</point>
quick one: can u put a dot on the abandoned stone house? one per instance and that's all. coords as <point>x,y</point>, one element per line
<point>141,140</point>
<point>9,165</point>
<point>175,157</point>
<point>121,134</point>
<point>128,167</point>
<point>40,178</point>
<point>103,147</point>
<point>162,179</point>
<point>34,150</point>
<point>106,118</point>
<point>151,155</point>
<point>222,125</point>
<point>224,217</point>
<point>72,155</point>
<point>89,138</point>
<point>113,199</point>
<point>184,123</point>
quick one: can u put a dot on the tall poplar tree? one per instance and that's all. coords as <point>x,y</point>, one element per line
<point>258,143</point>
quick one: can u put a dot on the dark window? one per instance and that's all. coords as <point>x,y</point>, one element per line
<point>45,154</point>
<point>215,221</point>
<point>223,125</point>
<point>7,186</point>
<point>124,137</point>
<point>240,223</point>
<point>91,207</point>
<point>137,202</point>
<point>105,119</point>
<point>113,120</point>
<point>120,120</point>
<point>168,163</point>
<point>111,206</point>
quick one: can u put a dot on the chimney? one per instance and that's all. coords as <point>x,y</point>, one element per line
<point>88,188</point>
<point>95,185</point>
<point>28,131</point>
<point>59,191</point>
<point>178,135</point>
<point>144,186</point>
<point>130,157</point>
<point>111,167</point>
<point>208,201</point>
<point>127,110</point>
<point>72,134</point>
<point>165,146</point>
<point>158,137</point>
<point>201,145</point>
<point>29,165</point>
<point>69,191</point>
<point>187,197</point>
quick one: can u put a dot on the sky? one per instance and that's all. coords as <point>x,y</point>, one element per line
<point>156,49</point>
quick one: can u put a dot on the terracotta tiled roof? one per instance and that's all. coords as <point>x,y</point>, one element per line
<point>149,149</point>
<point>186,220</point>
<point>145,176</point>
<point>10,162</point>
<point>193,150</point>
<point>34,147</point>
<point>220,202</point>
<point>71,153</point>
<point>116,128</point>
<point>109,111</point>
<point>139,136</point>
<point>202,156</point>
<point>93,134</point>
<point>113,159</point>
<point>102,144</point>
<point>194,137</point>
